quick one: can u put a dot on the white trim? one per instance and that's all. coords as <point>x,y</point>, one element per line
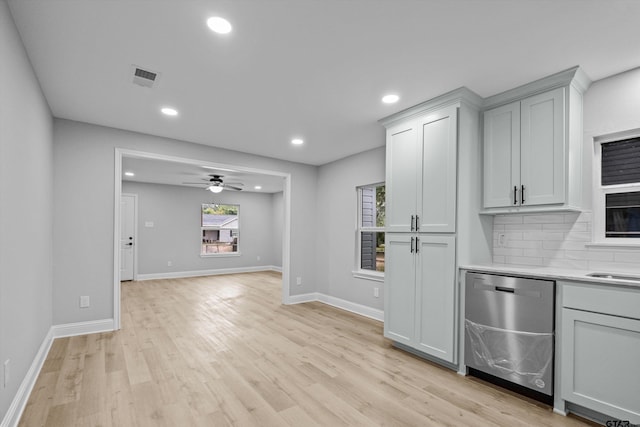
<point>12,417</point>
<point>199,273</point>
<point>613,245</point>
<point>364,274</point>
<point>276,268</point>
<point>302,298</point>
<point>221,255</point>
<point>362,310</point>
<point>82,328</point>
<point>117,185</point>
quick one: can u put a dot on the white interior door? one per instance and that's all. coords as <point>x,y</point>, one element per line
<point>127,236</point>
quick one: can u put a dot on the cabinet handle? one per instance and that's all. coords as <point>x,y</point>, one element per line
<point>515,195</point>
<point>417,244</point>
<point>412,219</point>
<point>522,195</point>
<point>412,245</point>
<point>417,224</point>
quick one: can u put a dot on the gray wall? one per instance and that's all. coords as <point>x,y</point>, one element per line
<point>610,105</point>
<point>175,236</point>
<point>83,211</point>
<point>336,230</point>
<point>277,226</point>
<point>25,214</point>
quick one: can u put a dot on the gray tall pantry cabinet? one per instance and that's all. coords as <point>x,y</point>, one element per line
<point>433,190</point>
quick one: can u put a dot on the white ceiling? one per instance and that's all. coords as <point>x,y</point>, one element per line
<point>177,173</point>
<point>306,68</point>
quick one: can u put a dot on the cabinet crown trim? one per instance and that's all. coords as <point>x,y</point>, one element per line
<point>460,95</point>
<point>573,76</point>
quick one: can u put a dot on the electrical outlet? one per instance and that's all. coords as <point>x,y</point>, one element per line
<point>169,263</point>
<point>84,301</point>
<point>376,292</point>
<point>502,240</point>
<point>258,257</point>
<point>298,281</point>
<point>6,372</point>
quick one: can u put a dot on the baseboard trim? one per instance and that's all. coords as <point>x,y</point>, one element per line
<point>362,310</point>
<point>12,417</point>
<point>302,298</point>
<point>199,273</point>
<point>82,328</point>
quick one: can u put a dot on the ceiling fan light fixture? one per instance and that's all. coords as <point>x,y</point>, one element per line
<point>215,188</point>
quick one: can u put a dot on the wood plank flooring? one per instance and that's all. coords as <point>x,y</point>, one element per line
<point>222,350</point>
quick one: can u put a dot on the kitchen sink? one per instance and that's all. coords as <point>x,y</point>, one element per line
<point>614,276</point>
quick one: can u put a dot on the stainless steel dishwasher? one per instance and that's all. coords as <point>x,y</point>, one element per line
<point>509,331</point>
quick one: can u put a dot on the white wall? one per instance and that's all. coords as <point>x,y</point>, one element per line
<point>25,210</point>
<point>560,240</point>
<point>175,235</point>
<point>336,226</point>
<point>83,211</point>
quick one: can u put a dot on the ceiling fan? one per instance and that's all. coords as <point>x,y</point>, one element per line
<point>215,184</point>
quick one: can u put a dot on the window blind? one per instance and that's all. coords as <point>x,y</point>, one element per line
<point>621,162</point>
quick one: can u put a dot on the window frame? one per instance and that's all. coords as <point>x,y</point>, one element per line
<point>359,272</point>
<point>215,227</point>
<point>600,192</point>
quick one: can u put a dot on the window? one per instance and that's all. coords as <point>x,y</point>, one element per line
<point>220,230</point>
<point>371,203</point>
<point>617,196</point>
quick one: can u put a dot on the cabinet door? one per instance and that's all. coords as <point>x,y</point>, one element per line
<point>399,288</point>
<point>436,290</point>
<point>402,177</point>
<point>438,135</point>
<point>542,155</point>
<point>502,156</point>
<point>600,368</point>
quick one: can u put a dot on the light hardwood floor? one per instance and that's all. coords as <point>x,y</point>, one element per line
<point>222,350</point>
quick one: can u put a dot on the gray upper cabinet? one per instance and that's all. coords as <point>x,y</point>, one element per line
<point>421,173</point>
<point>532,146</point>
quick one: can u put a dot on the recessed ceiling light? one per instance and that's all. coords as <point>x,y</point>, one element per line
<point>219,25</point>
<point>258,187</point>
<point>169,111</point>
<point>297,141</point>
<point>390,99</point>
<point>129,173</point>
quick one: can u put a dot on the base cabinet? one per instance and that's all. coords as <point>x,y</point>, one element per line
<point>420,293</point>
<point>601,352</point>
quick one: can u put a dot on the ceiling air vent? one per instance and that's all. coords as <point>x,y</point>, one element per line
<point>144,77</point>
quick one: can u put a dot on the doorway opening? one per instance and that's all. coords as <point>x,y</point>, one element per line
<point>205,168</point>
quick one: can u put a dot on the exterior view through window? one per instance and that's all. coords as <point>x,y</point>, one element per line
<point>220,229</point>
<point>620,180</point>
<point>371,204</point>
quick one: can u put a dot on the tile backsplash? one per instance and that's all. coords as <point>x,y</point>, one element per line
<point>561,240</point>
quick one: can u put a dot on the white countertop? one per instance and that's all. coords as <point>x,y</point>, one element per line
<point>553,274</point>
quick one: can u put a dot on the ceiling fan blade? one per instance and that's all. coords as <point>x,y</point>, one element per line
<point>194,183</point>
<point>231,187</point>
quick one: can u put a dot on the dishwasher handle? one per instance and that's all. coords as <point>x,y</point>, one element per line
<point>503,289</point>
